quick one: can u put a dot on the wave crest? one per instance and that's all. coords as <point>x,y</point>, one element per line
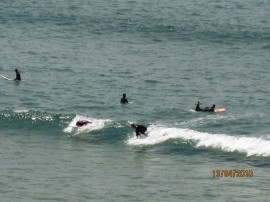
<point>96,124</point>
<point>252,146</point>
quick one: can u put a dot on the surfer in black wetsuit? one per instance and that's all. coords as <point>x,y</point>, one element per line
<point>18,75</point>
<point>209,109</point>
<point>198,108</point>
<point>82,123</point>
<point>124,99</point>
<point>140,129</point>
<point>206,109</point>
<point>212,109</point>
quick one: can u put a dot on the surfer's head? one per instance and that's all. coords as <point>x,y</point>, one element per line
<point>16,70</point>
<point>133,125</point>
<point>124,95</point>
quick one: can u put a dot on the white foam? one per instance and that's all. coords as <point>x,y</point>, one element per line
<point>212,118</point>
<point>96,124</point>
<point>21,111</point>
<point>252,146</point>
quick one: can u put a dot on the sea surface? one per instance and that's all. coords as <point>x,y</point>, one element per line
<point>77,58</point>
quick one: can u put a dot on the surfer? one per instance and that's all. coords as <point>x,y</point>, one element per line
<point>206,109</point>
<point>18,75</point>
<point>209,109</point>
<point>198,108</point>
<point>82,123</point>
<point>140,129</point>
<point>124,99</point>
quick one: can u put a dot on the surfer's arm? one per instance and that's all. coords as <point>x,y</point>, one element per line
<point>137,132</point>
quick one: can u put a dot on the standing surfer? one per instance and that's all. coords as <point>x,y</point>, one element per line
<point>140,129</point>
<point>18,75</point>
<point>124,99</point>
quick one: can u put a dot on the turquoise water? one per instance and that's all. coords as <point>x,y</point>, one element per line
<point>77,58</point>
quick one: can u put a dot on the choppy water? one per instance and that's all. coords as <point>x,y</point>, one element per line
<point>77,58</point>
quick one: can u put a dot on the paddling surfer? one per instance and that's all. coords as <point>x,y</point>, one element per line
<point>82,123</point>
<point>206,109</point>
<point>209,109</point>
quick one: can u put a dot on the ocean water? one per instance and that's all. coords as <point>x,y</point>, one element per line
<point>77,58</point>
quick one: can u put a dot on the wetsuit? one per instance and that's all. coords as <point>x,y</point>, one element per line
<point>124,100</point>
<point>140,129</point>
<point>198,107</point>
<point>209,109</point>
<point>212,109</point>
<point>82,123</point>
<point>18,76</point>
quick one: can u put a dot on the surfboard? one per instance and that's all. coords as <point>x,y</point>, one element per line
<point>141,137</point>
<point>6,78</point>
<point>216,110</point>
<point>220,110</point>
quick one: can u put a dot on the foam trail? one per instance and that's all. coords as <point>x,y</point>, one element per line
<point>96,124</point>
<point>21,111</point>
<point>252,146</point>
<point>210,118</point>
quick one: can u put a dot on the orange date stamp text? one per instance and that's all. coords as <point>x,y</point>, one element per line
<point>232,173</point>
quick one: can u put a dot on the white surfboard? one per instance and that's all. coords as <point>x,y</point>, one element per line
<point>142,136</point>
<point>220,110</point>
<point>3,77</point>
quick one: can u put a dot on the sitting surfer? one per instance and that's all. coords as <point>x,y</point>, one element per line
<point>206,109</point>
<point>198,108</point>
<point>82,123</point>
<point>209,109</point>
<point>124,99</point>
<point>140,129</point>
<point>18,75</point>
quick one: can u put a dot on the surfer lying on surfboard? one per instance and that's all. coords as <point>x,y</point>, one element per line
<point>140,129</point>
<point>209,109</point>
<point>206,109</point>
<point>82,123</point>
